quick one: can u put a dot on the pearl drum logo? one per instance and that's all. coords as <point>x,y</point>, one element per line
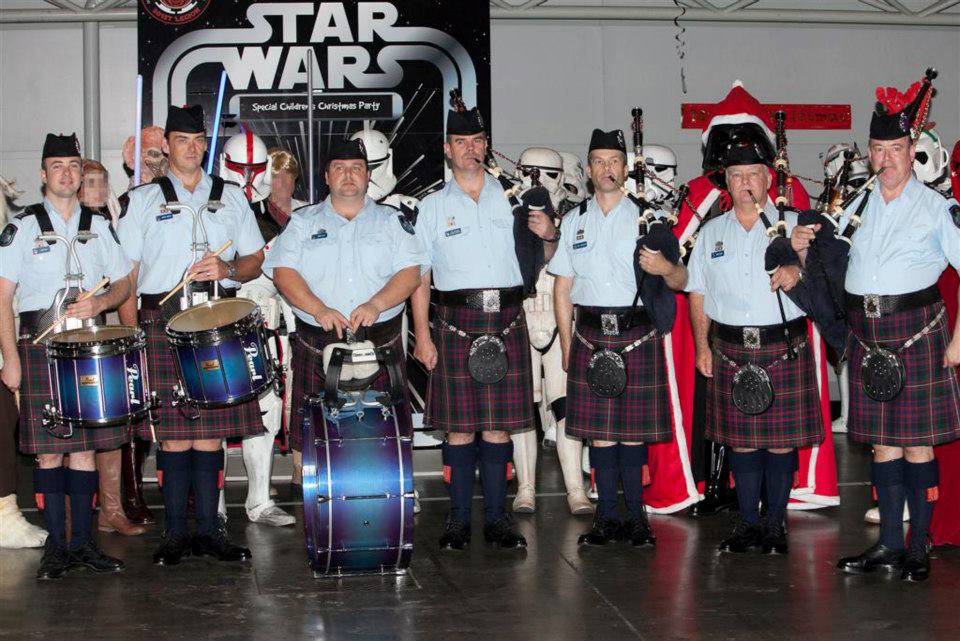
<point>252,353</point>
<point>133,378</point>
<point>175,12</point>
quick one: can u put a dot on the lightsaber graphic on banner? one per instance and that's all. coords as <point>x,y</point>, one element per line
<point>137,142</point>
<point>216,123</point>
<point>310,161</point>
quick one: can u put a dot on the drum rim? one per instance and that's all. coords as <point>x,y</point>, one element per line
<point>254,317</point>
<point>132,417</point>
<point>119,346</point>
<point>231,401</point>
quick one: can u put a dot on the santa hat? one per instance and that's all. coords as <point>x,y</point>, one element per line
<point>739,108</point>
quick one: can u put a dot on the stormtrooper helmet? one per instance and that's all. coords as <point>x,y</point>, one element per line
<point>833,162</point>
<point>574,179</point>
<point>380,161</point>
<point>550,165</point>
<point>932,162</point>
<point>662,163</point>
<point>244,161</point>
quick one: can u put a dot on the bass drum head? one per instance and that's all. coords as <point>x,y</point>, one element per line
<point>213,314</point>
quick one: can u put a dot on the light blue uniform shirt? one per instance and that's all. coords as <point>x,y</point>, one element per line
<point>597,252</point>
<point>726,267</point>
<point>161,241</point>
<point>345,262</point>
<point>38,268</point>
<point>469,244</point>
<point>904,245</point>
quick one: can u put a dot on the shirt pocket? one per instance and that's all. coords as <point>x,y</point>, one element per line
<point>375,254</point>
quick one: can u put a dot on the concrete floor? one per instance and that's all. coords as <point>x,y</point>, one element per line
<point>554,590</point>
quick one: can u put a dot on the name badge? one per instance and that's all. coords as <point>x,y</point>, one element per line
<point>166,216</point>
<point>320,234</point>
<point>452,232</point>
<point>42,249</point>
<point>717,254</point>
<point>580,245</point>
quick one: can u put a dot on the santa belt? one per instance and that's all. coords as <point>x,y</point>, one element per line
<point>484,300</point>
<point>877,305</point>
<point>380,333</point>
<point>152,301</point>
<point>612,321</point>
<point>30,322</point>
<point>757,337</point>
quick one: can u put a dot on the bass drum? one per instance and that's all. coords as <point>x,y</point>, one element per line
<point>358,487</point>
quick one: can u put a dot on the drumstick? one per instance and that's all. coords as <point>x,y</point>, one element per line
<point>186,279</point>
<point>84,296</point>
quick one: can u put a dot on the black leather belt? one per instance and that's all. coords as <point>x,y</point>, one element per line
<point>484,300</point>
<point>757,337</point>
<point>30,322</point>
<point>379,333</point>
<point>612,321</point>
<point>152,301</point>
<point>877,305</point>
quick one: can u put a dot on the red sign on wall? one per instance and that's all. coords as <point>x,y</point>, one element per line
<point>694,115</point>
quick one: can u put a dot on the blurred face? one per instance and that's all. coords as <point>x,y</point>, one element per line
<point>61,175</point>
<point>185,151</point>
<point>347,178</point>
<point>742,180</point>
<point>93,189</point>
<point>607,169</point>
<point>466,153</point>
<point>895,157</point>
<point>282,184</point>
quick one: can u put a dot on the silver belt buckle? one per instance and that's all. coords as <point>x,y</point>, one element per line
<point>609,325</point>
<point>751,337</point>
<point>491,300</point>
<point>871,305</point>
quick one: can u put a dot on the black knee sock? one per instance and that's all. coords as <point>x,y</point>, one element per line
<point>175,471</point>
<point>747,468</point>
<point>778,470</point>
<point>493,477</point>
<point>207,476</point>
<point>459,471</point>
<point>920,480</point>
<point>888,480</point>
<point>631,459</point>
<point>50,487</point>
<point>606,472</point>
<point>81,486</point>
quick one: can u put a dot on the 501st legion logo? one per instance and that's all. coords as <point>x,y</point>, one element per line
<point>175,12</point>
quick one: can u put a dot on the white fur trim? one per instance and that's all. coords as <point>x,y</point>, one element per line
<point>737,83</point>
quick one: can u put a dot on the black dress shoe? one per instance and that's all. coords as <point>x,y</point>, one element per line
<point>174,547</point>
<point>219,547</point>
<point>55,561</point>
<point>639,532</point>
<point>744,537</point>
<point>602,532</point>
<point>500,533</point>
<point>774,540</point>
<point>916,568</point>
<point>456,534</point>
<point>88,555</point>
<point>712,505</point>
<point>876,557</point>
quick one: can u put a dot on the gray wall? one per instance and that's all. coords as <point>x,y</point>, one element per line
<point>552,82</point>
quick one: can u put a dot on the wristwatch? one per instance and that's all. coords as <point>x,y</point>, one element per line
<point>231,270</point>
<point>555,238</point>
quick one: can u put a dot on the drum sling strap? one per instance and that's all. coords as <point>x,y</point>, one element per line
<point>389,355</point>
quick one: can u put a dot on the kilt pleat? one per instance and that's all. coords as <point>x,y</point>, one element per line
<point>927,411</point>
<point>35,394</point>
<point>244,419</point>
<point>642,412</point>
<point>793,420</point>
<point>456,402</point>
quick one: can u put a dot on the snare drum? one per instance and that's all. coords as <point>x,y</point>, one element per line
<point>221,352</point>
<point>358,487</point>
<point>98,376</point>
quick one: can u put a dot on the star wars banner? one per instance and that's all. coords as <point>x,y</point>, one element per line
<point>382,67</point>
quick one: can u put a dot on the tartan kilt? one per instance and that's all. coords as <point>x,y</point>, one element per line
<point>307,367</point>
<point>927,411</point>
<point>35,394</point>
<point>642,412</point>
<point>244,419</point>
<point>793,420</point>
<point>456,402</point>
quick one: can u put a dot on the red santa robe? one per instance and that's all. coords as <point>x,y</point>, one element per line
<point>672,485</point>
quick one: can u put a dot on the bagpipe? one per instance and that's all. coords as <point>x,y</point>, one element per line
<point>527,245</point>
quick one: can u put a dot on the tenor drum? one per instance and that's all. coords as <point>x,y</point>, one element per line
<point>98,376</point>
<point>358,487</point>
<point>221,352</point>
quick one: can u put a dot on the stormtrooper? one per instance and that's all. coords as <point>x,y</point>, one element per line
<point>662,164</point>
<point>245,161</point>
<point>549,379</point>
